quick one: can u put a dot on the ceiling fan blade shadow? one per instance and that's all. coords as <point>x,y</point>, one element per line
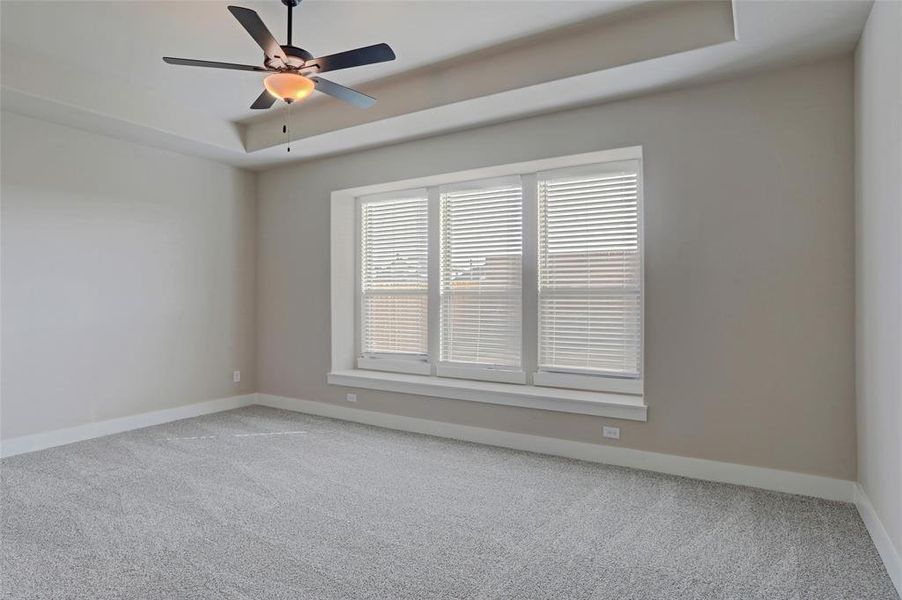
<point>341,92</point>
<point>251,22</point>
<point>367,55</point>
<point>190,62</point>
<point>264,100</point>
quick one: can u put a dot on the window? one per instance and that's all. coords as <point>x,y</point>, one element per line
<point>526,276</point>
<point>589,274</point>
<point>394,281</point>
<point>481,270</point>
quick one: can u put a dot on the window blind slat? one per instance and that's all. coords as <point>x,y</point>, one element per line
<point>481,275</point>
<point>589,272</point>
<point>394,277</point>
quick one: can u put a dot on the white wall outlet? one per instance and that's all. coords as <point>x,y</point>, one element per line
<point>351,397</point>
<point>236,376</point>
<point>611,432</point>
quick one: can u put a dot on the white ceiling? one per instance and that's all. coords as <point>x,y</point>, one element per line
<point>96,65</point>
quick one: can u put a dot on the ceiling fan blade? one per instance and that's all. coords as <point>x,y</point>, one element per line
<point>189,62</point>
<point>251,21</point>
<point>353,58</point>
<point>264,100</point>
<point>343,93</point>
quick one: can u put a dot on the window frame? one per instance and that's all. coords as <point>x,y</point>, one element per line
<point>478,371</point>
<point>414,365</point>
<point>573,378</point>
<point>567,392</point>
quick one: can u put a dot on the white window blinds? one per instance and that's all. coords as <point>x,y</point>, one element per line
<point>589,270</point>
<point>394,275</point>
<point>481,263</point>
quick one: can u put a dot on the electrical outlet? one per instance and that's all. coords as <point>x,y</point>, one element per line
<point>351,397</point>
<point>611,432</point>
<point>236,376</point>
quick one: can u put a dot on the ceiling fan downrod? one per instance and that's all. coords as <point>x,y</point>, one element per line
<point>290,4</point>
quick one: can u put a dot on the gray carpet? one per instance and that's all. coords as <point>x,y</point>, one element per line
<point>258,503</point>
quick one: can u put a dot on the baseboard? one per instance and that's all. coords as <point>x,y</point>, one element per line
<point>888,552</point>
<point>697,468</point>
<point>59,437</point>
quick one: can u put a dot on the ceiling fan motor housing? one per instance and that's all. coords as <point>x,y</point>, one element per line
<point>294,58</point>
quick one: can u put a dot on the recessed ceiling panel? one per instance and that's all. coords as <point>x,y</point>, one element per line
<point>126,40</point>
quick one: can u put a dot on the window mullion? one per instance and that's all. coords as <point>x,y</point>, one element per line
<point>358,271</point>
<point>529,284</point>
<point>433,306</point>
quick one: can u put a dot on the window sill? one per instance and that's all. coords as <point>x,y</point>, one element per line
<point>617,406</point>
<point>610,385</point>
<point>395,365</point>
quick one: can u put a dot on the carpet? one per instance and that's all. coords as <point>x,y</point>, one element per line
<point>258,503</point>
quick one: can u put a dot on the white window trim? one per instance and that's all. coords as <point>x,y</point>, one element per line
<point>616,406</point>
<point>609,396</point>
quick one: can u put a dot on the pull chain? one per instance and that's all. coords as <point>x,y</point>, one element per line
<point>286,129</point>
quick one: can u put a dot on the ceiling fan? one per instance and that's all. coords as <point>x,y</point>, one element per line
<point>294,71</point>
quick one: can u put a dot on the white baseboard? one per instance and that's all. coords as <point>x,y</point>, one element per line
<point>59,437</point>
<point>888,552</point>
<point>697,468</point>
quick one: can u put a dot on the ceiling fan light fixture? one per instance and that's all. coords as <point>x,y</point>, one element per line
<point>289,87</point>
<point>286,63</point>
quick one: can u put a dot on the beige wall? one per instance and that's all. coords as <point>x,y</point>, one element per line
<point>127,278</point>
<point>878,117</point>
<point>128,273</point>
<point>749,266</point>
